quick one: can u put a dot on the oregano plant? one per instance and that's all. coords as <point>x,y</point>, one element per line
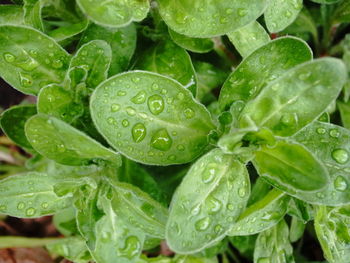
<point>179,131</point>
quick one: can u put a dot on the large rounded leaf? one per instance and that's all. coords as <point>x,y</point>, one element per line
<point>208,201</point>
<point>59,141</point>
<point>261,67</point>
<point>331,145</point>
<point>296,98</point>
<point>150,118</point>
<point>114,13</point>
<point>291,168</point>
<point>30,60</point>
<point>207,18</point>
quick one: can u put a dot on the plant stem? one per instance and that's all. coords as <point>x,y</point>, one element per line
<point>12,241</point>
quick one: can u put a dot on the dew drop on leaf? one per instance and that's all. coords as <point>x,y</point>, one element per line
<point>321,130</point>
<point>209,173</point>
<point>130,111</point>
<point>242,192</point>
<point>138,132</point>
<point>189,113</point>
<point>334,133</point>
<point>125,123</point>
<point>202,224</point>
<point>340,183</point>
<point>161,140</point>
<point>156,104</point>
<point>139,98</point>
<point>9,57</point>
<point>340,156</point>
<point>214,205</point>
<point>20,205</point>
<point>230,207</point>
<point>30,211</point>
<point>115,107</point>
<point>217,229</point>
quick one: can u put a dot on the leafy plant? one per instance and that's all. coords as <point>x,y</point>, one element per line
<point>183,123</point>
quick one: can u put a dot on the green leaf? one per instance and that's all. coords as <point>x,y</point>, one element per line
<point>261,215</point>
<point>209,78</point>
<point>297,228</point>
<point>29,59</point>
<point>32,14</point>
<point>344,109</point>
<point>261,67</point>
<point>71,248</point>
<point>244,244</point>
<point>114,13</point>
<point>11,14</point>
<point>65,222</point>
<point>326,1</point>
<point>284,105</point>
<point>172,61</point>
<point>30,195</point>
<point>61,142</point>
<point>59,102</point>
<point>207,203</point>
<point>332,229</point>
<point>330,144</point>
<point>197,45</point>
<point>143,212</point>
<point>204,18</point>
<point>66,32</point>
<point>133,173</point>
<point>136,113</point>
<point>121,40</point>
<point>12,122</point>
<point>281,13</point>
<point>342,13</point>
<point>95,57</point>
<point>273,245</point>
<point>249,38</point>
<point>291,168</point>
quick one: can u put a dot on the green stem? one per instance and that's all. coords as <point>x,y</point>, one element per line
<point>11,241</point>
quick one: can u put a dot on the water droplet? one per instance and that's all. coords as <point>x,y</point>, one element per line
<point>136,80</point>
<point>209,173</point>
<point>340,156</point>
<point>28,65</point>
<point>60,148</point>
<point>195,210</point>
<point>131,247</point>
<point>242,11</point>
<point>189,113</point>
<point>172,157</point>
<point>218,229</point>
<point>110,120</point>
<point>334,133</point>
<point>30,211</point>
<point>202,224</point>
<point>3,207</point>
<point>180,96</point>
<point>180,147</point>
<point>125,123</point>
<point>139,98</point>
<point>289,119</point>
<point>229,11</point>
<point>131,111</point>
<point>161,140</point>
<point>340,183</point>
<point>156,104</point>
<point>9,57</point>
<point>155,86</point>
<point>44,205</point>
<point>25,79</point>
<point>321,130</point>
<point>121,93</point>
<point>214,205</point>
<point>242,192</point>
<point>230,207</point>
<point>138,132</point>
<point>115,107</point>
<point>20,205</point>
<point>288,14</point>
<point>57,63</point>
